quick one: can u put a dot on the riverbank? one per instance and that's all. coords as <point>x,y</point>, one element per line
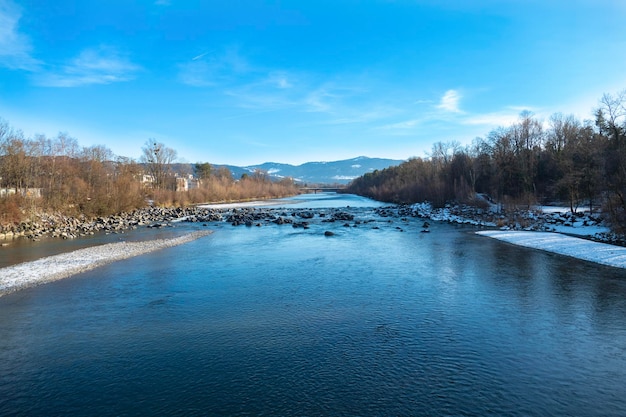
<point>539,219</point>
<point>61,266</point>
<point>587,250</point>
<point>46,225</point>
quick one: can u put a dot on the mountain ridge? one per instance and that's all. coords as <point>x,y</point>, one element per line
<point>317,172</point>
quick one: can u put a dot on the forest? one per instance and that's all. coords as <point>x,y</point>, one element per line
<point>562,160</point>
<point>56,175</point>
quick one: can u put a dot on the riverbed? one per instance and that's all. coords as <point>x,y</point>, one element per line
<point>377,319</point>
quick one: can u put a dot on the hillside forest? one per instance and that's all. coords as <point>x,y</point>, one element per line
<point>564,159</point>
<point>56,175</point>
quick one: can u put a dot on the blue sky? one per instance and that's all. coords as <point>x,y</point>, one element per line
<point>245,82</point>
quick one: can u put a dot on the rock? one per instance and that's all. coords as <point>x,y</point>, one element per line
<point>306,214</point>
<point>343,216</point>
<point>328,233</point>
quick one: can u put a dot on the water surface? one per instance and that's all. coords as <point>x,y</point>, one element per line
<point>379,319</point>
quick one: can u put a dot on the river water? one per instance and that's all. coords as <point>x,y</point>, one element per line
<point>378,319</point>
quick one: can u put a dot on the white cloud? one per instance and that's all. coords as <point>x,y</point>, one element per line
<point>450,101</point>
<point>15,47</point>
<point>91,66</point>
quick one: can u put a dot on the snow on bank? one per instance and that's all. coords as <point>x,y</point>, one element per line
<point>447,214</point>
<point>587,250</point>
<point>243,204</point>
<point>540,219</point>
<point>56,267</point>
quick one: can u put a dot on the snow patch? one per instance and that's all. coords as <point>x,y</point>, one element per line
<point>56,267</point>
<point>587,250</point>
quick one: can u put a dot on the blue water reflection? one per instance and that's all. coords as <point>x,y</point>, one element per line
<point>324,200</point>
<point>378,319</point>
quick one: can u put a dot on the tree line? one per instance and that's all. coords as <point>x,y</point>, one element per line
<point>529,162</point>
<point>56,174</point>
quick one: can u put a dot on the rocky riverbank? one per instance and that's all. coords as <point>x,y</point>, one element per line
<point>589,225</point>
<point>60,226</point>
<point>540,219</point>
<point>66,227</point>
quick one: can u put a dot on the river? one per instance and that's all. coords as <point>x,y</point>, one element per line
<point>378,320</point>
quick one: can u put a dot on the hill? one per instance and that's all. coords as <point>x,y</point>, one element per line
<point>335,172</point>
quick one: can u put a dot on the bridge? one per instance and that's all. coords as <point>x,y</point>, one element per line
<point>315,190</point>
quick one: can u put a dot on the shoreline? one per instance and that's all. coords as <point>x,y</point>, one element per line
<point>524,228</point>
<point>558,243</point>
<point>56,267</point>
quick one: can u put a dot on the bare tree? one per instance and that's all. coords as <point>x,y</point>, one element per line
<point>612,114</point>
<point>611,122</point>
<point>563,129</point>
<point>528,137</point>
<point>158,159</point>
<point>13,157</point>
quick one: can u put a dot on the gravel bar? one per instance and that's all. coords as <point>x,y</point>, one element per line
<point>52,268</point>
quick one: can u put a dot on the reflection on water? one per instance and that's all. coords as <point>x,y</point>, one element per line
<point>326,200</point>
<point>283,321</point>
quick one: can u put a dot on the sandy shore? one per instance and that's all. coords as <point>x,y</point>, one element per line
<point>61,266</point>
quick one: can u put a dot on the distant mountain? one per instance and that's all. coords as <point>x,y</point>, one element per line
<point>336,172</point>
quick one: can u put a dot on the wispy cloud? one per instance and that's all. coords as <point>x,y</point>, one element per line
<point>15,47</point>
<point>504,117</point>
<point>258,88</point>
<point>197,57</point>
<point>265,92</point>
<point>406,124</point>
<point>92,66</point>
<point>279,79</point>
<point>445,109</point>
<point>319,100</point>
<point>209,69</point>
<point>450,101</point>
<point>359,114</point>
<point>261,101</point>
<point>197,73</point>
<point>491,119</point>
